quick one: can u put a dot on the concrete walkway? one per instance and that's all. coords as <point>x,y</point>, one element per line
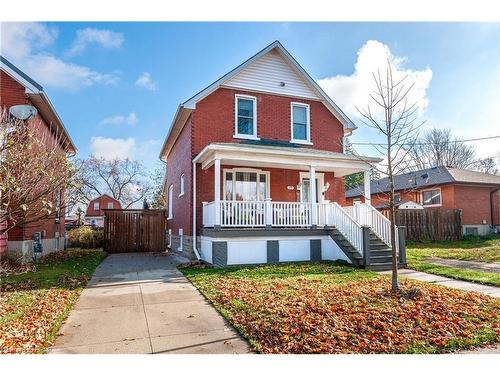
<point>467,264</point>
<point>451,283</point>
<point>140,303</point>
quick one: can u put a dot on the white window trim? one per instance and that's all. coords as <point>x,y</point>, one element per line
<point>110,203</point>
<point>245,136</point>
<point>181,183</point>
<point>321,183</point>
<point>96,204</point>
<point>431,205</point>
<point>181,237</point>
<point>170,202</point>
<point>258,171</point>
<point>308,123</point>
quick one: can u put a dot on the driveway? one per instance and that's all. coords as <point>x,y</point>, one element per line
<point>140,303</point>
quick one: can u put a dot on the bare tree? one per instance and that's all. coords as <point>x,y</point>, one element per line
<point>438,147</point>
<point>34,172</point>
<point>399,124</point>
<point>124,179</point>
<point>487,165</point>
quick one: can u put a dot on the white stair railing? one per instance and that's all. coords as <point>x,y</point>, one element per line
<point>346,225</point>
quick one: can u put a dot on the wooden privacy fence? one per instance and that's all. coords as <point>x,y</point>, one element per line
<point>134,230</point>
<point>430,224</point>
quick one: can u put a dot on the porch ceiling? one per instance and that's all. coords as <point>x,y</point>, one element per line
<point>298,158</point>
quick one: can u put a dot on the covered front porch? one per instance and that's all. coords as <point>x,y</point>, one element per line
<point>256,186</point>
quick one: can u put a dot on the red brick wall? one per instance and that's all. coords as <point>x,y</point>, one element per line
<point>474,202</point>
<point>103,204</point>
<point>180,161</point>
<point>214,120</point>
<point>496,207</point>
<point>13,93</point>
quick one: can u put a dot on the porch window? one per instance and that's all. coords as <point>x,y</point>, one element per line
<point>246,117</point>
<point>300,123</point>
<point>245,185</point>
<point>431,197</point>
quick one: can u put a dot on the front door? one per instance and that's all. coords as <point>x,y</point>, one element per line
<point>305,190</point>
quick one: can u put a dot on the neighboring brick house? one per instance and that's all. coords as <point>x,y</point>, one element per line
<point>477,194</point>
<point>94,215</point>
<point>17,88</point>
<point>255,167</point>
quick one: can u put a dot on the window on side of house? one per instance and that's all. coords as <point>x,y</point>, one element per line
<point>245,117</point>
<point>182,185</point>
<point>170,197</point>
<point>96,206</point>
<point>300,123</point>
<point>431,197</point>
<point>110,205</point>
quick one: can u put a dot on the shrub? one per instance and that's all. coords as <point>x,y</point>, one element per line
<point>86,237</point>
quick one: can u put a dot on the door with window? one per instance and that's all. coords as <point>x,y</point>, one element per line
<point>305,190</point>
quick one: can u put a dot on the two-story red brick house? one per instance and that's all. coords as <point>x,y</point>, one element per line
<point>17,88</point>
<point>94,215</point>
<point>477,194</point>
<point>255,168</point>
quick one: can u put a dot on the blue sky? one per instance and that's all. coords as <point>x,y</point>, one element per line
<point>117,85</point>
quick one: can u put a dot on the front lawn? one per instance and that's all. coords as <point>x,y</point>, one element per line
<point>34,304</point>
<point>333,308</point>
<point>481,249</point>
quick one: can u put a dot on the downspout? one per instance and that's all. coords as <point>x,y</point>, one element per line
<point>492,208</point>
<point>194,212</point>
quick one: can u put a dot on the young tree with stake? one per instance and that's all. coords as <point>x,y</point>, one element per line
<point>393,115</point>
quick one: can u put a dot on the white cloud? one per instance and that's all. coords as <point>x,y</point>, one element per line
<point>145,81</point>
<point>130,119</point>
<point>113,148</point>
<point>104,38</point>
<point>27,44</point>
<point>353,90</point>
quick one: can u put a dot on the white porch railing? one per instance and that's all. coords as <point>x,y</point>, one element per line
<point>242,214</point>
<point>291,214</point>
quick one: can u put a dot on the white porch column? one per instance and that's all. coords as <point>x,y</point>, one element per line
<point>312,196</point>
<point>217,192</point>
<point>367,192</point>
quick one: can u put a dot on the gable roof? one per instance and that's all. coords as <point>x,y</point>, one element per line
<point>230,78</point>
<point>427,177</point>
<point>41,101</point>
<point>104,195</point>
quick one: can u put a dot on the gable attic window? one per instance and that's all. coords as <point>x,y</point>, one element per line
<point>110,205</point>
<point>96,206</point>
<point>301,132</point>
<point>245,117</point>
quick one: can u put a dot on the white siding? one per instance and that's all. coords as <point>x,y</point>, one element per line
<point>266,73</point>
<point>331,251</point>
<point>246,252</point>
<point>206,250</point>
<point>295,250</point>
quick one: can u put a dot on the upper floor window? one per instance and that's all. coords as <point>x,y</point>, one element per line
<point>431,197</point>
<point>246,117</point>
<point>110,205</point>
<point>300,123</point>
<point>96,206</point>
<point>397,198</point>
<point>182,185</point>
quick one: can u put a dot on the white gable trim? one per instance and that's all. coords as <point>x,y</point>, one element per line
<point>348,124</point>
